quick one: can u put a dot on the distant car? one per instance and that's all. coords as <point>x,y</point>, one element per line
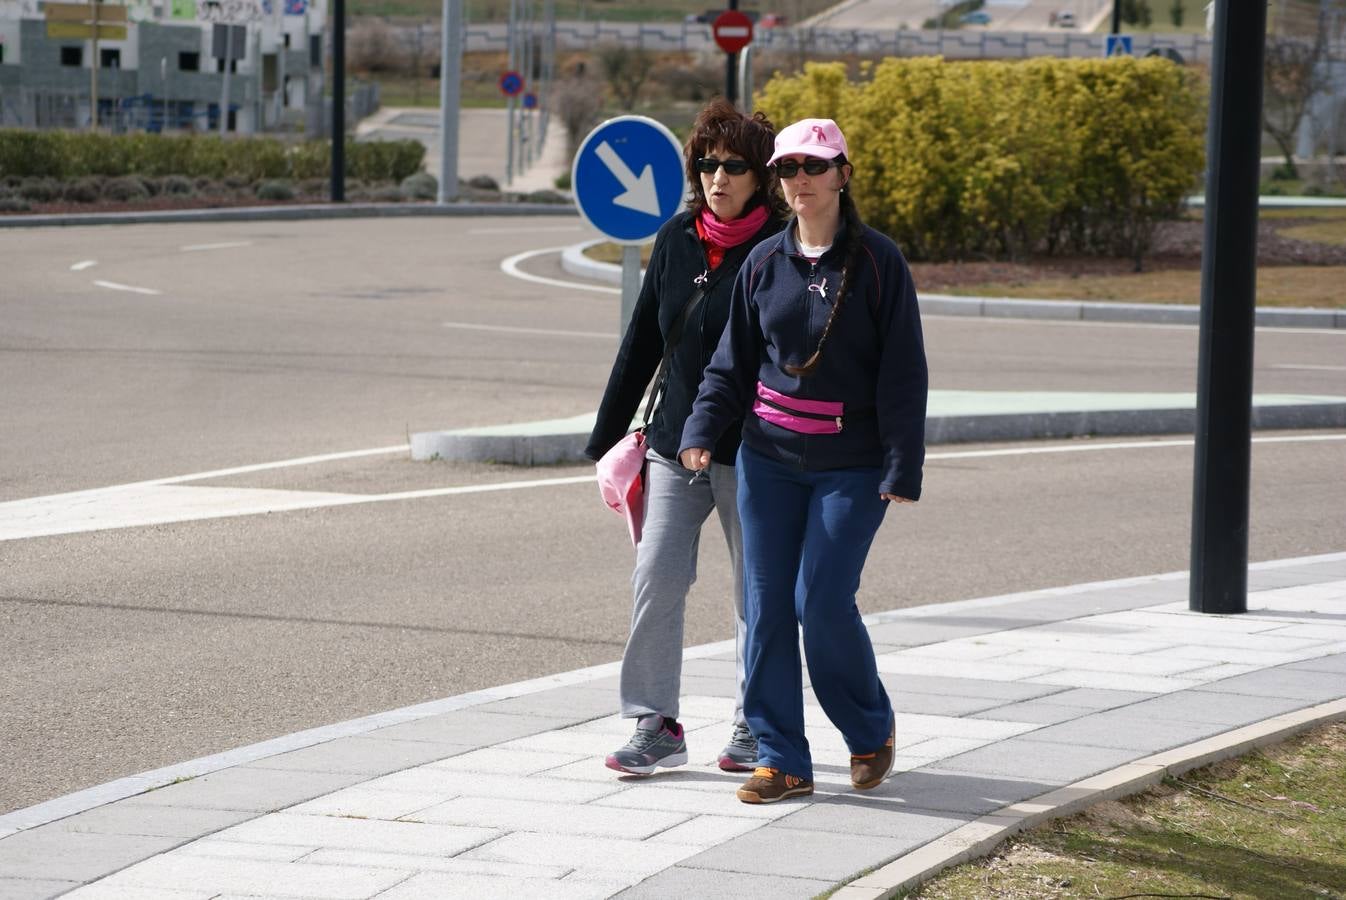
<point>771,20</point>
<point>976,17</point>
<point>1063,19</point>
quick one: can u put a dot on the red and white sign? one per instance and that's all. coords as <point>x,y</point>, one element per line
<point>732,30</point>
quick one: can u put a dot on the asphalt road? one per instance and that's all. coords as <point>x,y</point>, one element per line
<point>128,649</point>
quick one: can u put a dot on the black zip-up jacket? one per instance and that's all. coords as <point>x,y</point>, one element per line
<point>678,258</point>
<point>873,362</point>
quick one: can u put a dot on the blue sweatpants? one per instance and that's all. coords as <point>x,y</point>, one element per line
<point>805,539</point>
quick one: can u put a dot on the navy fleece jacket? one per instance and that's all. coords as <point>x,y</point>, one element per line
<point>873,362</point>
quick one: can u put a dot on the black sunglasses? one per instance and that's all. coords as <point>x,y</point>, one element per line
<point>789,168</point>
<point>707,165</point>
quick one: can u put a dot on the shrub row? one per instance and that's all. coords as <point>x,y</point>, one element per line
<point>66,155</point>
<point>966,159</point>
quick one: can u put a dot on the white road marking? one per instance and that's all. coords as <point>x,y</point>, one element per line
<point>131,506</point>
<point>1310,368</point>
<point>538,228</point>
<point>161,502</point>
<point>469,326</point>
<point>1123,445</point>
<point>510,266</point>
<point>191,248</point>
<point>83,264</point>
<point>240,470</point>
<point>114,286</point>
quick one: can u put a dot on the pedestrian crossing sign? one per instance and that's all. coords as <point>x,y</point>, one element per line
<point>1118,45</point>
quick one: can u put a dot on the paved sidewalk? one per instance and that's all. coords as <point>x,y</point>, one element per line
<point>1008,708</point>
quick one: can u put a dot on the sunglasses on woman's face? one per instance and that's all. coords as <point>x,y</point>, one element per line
<point>707,165</point>
<point>789,168</point>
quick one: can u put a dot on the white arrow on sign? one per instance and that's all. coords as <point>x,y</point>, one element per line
<point>640,193</point>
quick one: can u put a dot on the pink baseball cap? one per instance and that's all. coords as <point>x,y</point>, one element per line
<point>811,137</point>
<point>621,482</point>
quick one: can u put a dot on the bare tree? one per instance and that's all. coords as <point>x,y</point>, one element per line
<point>370,47</point>
<point>416,43</point>
<point>577,101</point>
<point>1292,75</point>
<point>626,69</point>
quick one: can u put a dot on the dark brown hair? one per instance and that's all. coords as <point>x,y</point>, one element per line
<point>753,137</point>
<point>855,228</point>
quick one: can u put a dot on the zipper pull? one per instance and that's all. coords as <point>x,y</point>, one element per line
<point>838,424</point>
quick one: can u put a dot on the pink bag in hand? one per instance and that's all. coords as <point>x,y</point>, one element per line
<point>621,481</point>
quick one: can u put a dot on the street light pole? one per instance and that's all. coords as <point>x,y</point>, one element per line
<point>450,74</point>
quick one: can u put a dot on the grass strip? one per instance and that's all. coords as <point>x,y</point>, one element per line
<point>1271,824</point>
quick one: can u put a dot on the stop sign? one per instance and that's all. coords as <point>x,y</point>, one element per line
<point>732,30</point>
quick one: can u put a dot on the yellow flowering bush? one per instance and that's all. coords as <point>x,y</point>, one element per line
<point>968,159</point>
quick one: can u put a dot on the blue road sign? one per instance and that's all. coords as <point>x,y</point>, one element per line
<point>1118,45</point>
<point>511,83</point>
<point>628,178</point>
<point>530,100</point>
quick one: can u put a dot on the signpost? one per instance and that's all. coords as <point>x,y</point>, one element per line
<point>628,180</point>
<point>732,31</point>
<point>92,22</point>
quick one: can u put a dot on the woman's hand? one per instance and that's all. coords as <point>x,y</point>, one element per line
<point>897,499</point>
<point>694,458</point>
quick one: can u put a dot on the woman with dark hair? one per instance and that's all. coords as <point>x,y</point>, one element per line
<point>824,362</point>
<point>681,310</point>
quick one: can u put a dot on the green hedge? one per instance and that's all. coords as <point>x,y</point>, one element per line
<point>971,159</point>
<point>66,155</point>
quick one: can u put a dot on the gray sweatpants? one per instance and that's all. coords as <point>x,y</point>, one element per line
<point>665,571</point>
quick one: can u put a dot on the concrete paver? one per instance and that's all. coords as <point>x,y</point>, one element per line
<point>1009,710</point>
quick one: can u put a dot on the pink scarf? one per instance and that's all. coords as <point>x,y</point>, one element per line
<point>734,232</point>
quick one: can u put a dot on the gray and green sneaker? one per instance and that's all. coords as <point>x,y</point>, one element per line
<point>740,754</point>
<point>654,744</point>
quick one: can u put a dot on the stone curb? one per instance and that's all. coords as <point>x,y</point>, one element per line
<point>290,213</point>
<point>512,446</point>
<point>981,836</point>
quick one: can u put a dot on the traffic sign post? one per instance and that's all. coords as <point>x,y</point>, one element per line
<point>732,31</point>
<point>628,179</point>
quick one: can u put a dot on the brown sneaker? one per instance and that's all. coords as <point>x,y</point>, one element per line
<point>769,785</point>
<point>869,769</point>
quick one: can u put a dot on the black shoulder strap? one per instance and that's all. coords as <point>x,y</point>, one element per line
<point>675,337</point>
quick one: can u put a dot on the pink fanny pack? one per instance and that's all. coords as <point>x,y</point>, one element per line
<point>796,414</point>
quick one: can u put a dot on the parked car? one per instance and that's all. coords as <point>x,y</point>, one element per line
<point>772,20</point>
<point>976,17</point>
<point>1063,19</point>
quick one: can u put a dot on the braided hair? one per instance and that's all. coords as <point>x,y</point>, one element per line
<point>854,240</point>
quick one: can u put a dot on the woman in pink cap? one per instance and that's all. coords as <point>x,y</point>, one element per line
<point>824,362</point>
<point>677,321</point>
